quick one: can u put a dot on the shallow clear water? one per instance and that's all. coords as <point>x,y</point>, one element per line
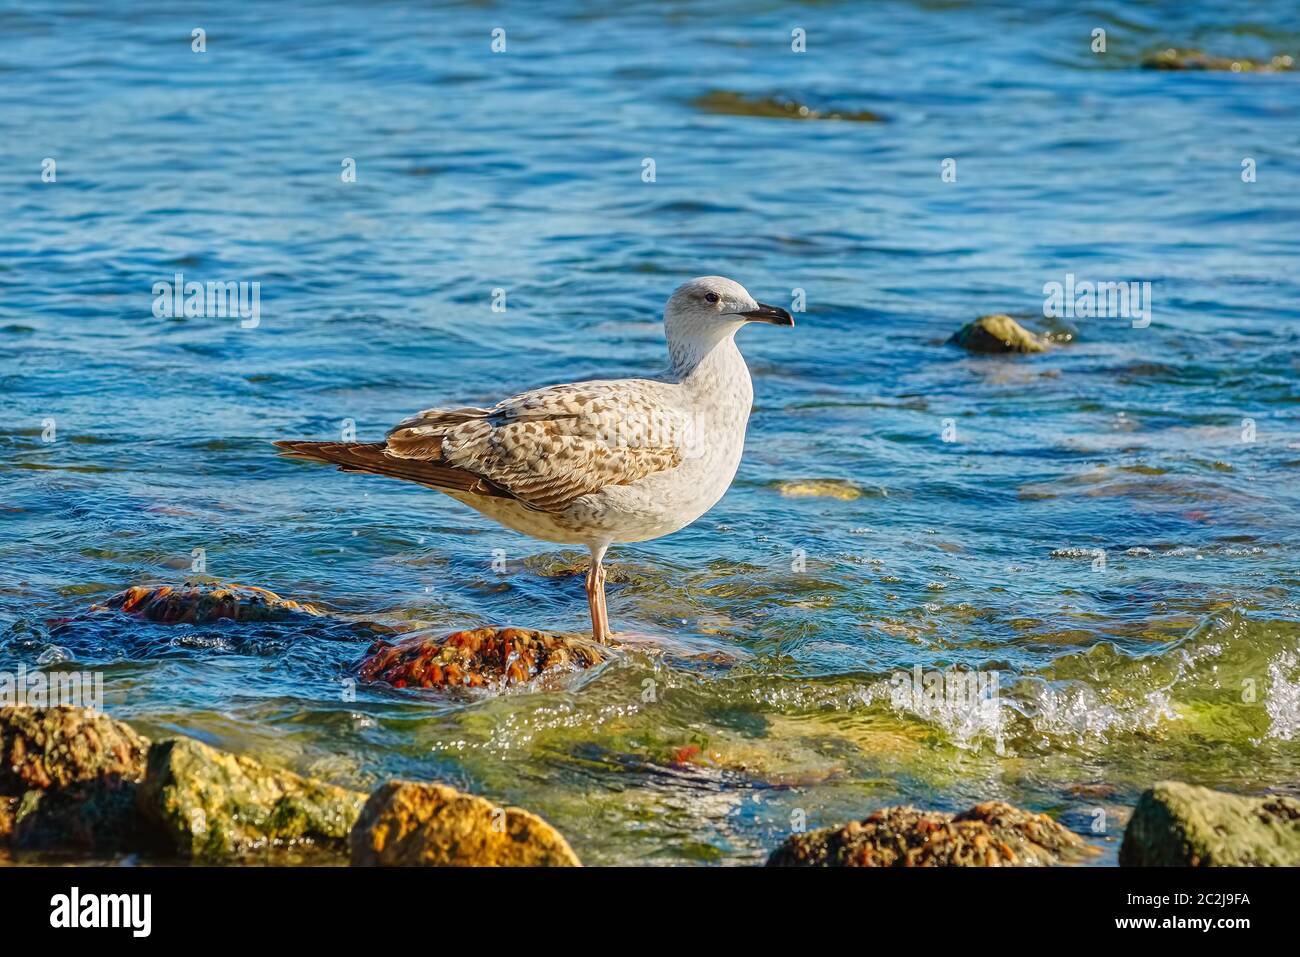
<point>523,171</point>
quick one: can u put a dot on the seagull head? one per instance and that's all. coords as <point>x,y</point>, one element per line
<point>705,311</point>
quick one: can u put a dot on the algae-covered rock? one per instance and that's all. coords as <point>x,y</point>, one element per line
<point>992,834</point>
<point>1182,825</point>
<point>820,488</point>
<point>996,334</point>
<point>476,658</point>
<point>731,103</point>
<point>1173,58</point>
<point>410,824</point>
<point>213,805</point>
<point>68,778</point>
<point>202,604</point>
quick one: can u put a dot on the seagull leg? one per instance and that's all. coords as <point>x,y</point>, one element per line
<point>596,595</point>
<point>600,596</point>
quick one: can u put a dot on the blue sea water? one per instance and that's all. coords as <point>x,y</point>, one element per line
<point>1112,529</point>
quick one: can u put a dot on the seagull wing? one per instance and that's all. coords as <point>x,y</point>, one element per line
<point>551,446</point>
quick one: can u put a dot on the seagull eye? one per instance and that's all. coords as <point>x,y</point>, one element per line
<point>710,297</point>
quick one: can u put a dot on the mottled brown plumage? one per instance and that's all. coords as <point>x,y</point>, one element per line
<point>550,446</point>
<point>544,448</point>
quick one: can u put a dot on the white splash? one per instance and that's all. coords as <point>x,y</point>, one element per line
<point>1283,700</point>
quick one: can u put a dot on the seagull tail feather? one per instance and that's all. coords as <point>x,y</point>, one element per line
<point>373,458</point>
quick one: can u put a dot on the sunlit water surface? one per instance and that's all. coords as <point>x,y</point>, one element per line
<point>1173,449</point>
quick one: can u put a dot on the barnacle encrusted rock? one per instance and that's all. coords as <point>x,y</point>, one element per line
<point>58,747</point>
<point>992,834</point>
<point>476,658</point>
<point>201,604</point>
<point>68,778</point>
<point>214,805</point>
<point>996,334</point>
<point>409,824</point>
<point>1182,825</point>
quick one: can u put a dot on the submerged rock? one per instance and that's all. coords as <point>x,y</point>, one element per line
<point>1182,825</point>
<point>407,824</point>
<point>1173,58</point>
<point>476,658</point>
<point>214,805</point>
<point>996,334</point>
<point>820,488</point>
<point>205,603</point>
<point>992,834</point>
<point>479,657</point>
<point>568,564</point>
<point>68,778</point>
<point>731,103</point>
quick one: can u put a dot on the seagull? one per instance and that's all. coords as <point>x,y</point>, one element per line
<point>598,462</point>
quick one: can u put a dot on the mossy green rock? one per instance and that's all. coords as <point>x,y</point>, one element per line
<point>996,334</point>
<point>215,805</point>
<point>1182,825</point>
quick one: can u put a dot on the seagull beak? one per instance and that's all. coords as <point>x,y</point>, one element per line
<point>773,315</point>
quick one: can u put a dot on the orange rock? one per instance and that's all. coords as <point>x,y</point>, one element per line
<point>201,604</point>
<point>475,658</point>
<point>410,824</point>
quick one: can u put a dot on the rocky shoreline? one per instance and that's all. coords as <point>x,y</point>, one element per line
<point>76,781</point>
<point>80,783</point>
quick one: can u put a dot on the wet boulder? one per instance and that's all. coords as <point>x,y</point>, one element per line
<point>996,334</point>
<point>214,805</point>
<point>408,824</point>
<point>992,834</point>
<point>481,657</point>
<point>1182,825</point>
<point>201,604</point>
<point>68,778</point>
